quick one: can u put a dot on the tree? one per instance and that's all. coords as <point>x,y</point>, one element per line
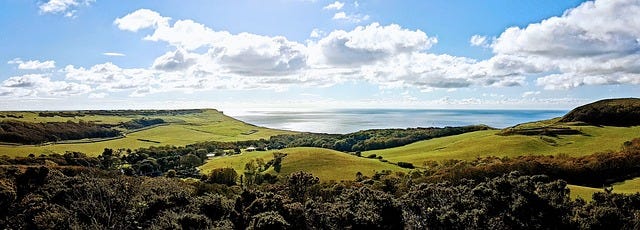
<point>299,184</point>
<point>109,159</point>
<point>277,161</point>
<point>190,161</point>
<point>226,176</point>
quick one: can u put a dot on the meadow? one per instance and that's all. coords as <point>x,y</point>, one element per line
<point>472,145</point>
<point>210,125</point>
<point>326,164</point>
<point>624,187</point>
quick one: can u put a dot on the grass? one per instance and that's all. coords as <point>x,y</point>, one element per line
<point>486,143</point>
<point>326,164</point>
<point>209,125</point>
<point>625,187</point>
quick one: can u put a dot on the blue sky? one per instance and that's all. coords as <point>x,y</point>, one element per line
<point>97,54</point>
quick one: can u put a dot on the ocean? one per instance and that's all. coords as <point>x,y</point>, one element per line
<point>351,120</point>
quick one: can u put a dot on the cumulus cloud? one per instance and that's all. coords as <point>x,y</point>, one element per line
<point>203,58</point>
<point>316,33</point>
<point>334,6</point>
<point>177,60</point>
<point>33,64</point>
<point>187,34</point>
<point>141,19</point>
<point>386,55</point>
<point>576,49</point>
<point>65,7</point>
<point>255,55</point>
<point>368,44</point>
<point>37,83</point>
<point>478,40</point>
<point>354,18</point>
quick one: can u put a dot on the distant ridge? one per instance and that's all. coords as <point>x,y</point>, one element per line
<point>611,112</point>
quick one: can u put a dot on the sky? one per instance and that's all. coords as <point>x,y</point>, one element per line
<point>247,54</point>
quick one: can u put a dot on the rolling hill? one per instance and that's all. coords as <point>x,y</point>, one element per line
<point>612,112</point>
<point>181,129</point>
<point>487,143</point>
<point>326,164</point>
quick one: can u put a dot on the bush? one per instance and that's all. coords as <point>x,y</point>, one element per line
<point>226,176</point>
<point>405,165</point>
<point>372,156</point>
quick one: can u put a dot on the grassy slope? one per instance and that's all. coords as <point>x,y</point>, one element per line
<point>324,163</point>
<point>628,186</point>
<point>184,129</point>
<point>486,143</point>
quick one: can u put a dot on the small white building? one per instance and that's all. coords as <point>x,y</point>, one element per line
<point>250,149</point>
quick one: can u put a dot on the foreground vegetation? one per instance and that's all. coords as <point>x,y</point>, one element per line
<point>78,197</point>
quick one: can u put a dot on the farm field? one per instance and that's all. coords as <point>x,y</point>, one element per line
<point>210,125</point>
<point>326,164</point>
<point>625,187</point>
<point>487,143</point>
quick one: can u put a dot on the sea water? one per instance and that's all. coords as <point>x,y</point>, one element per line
<point>351,120</point>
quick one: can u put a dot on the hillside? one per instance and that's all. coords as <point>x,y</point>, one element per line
<point>181,128</point>
<point>610,112</point>
<point>324,163</point>
<point>487,143</point>
<point>626,187</point>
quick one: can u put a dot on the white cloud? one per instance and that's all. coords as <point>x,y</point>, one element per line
<point>389,56</point>
<point>37,83</point>
<point>354,18</point>
<point>530,93</point>
<point>97,95</point>
<point>141,19</point>
<point>316,33</point>
<point>177,60</point>
<point>369,44</point>
<point>574,49</point>
<point>478,40</point>
<point>33,64</point>
<point>65,7</point>
<point>334,6</point>
<point>255,55</point>
<point>113,54</point>
<point>187,34</point>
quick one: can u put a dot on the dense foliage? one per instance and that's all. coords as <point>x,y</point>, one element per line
<point>50,198</point>
<point>14,131</point>
<point>368,139</point>
<point>75,191</point>
<point>614,112</point>
<point>141,123</point>
<point>150,112</point>
<point>595,170</point>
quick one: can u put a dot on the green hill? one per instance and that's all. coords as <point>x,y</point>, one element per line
<point>611,112</point>
<point>625,187</point>
<point>180,129</point>
<point>326,164</point>
<point>487,143</point>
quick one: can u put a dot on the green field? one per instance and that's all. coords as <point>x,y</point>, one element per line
<point>487,143</point>
<point>625,187</point>
<point>326,164</point>
<point>209,125</point>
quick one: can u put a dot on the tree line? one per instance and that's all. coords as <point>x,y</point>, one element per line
<point>36,133</point>
<point>41,197</point>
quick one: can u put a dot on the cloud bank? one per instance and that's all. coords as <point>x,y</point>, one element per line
<point>558,53</point>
